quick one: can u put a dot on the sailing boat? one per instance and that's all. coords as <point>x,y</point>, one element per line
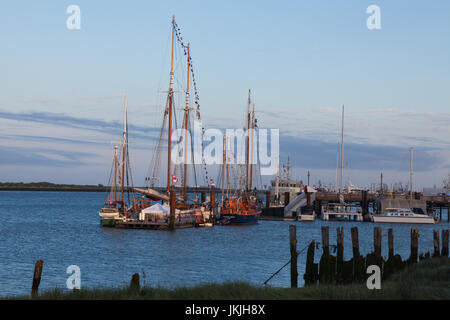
<point>183,204</point>
<point>119,201</point>
<point>243,207</point>
<point>341,210</point>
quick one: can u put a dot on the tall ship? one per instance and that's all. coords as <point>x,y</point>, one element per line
<point>165,200</point>
<point>179,165</point>
<point>241,206</point>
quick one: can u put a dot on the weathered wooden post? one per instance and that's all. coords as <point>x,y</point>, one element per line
<point>325,240</point>
<point>340,253</point>
<point>414,246</point>
<point>135,283</point>
<point>293,246</point>
<point>358,260</point>
<point>286,198</point>
<point>172,209</point>
<point>445,234</point>
<point>391,242</point>
<point>310,275</point>
<point>267,199</point>
<point>375,257</point>
<point>436,243</point>
<point>327,264</point>
<point>355,242</point>
<point>37,277</point>
<point>377,237</point>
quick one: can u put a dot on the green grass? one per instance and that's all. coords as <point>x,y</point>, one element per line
<point>430,279</point>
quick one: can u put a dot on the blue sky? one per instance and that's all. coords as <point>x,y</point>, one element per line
<point>60,104</point>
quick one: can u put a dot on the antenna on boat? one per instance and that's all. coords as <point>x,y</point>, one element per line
<point>342,156</point>
<point>411,151</point>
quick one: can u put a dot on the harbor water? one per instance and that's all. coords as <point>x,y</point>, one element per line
<point>63,229</point>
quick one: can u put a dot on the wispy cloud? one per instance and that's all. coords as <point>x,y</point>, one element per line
<point>43,157</point>
<point>111,127</point>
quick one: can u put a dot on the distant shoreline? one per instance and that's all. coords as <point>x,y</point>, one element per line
<point>47,186</point>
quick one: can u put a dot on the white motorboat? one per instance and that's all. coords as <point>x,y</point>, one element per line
<point>109,213</point>
<point>395,215</point>
<point>306,217</point>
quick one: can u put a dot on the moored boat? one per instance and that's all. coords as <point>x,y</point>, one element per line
<point>396,215</point>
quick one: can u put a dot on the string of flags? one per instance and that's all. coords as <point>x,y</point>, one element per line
<point>196,96</point>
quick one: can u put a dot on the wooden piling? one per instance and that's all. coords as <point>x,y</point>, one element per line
<point>135,283</point>
<point>267,199</point>
<point>375,257</point>
<point>355,242</point>
<point>293,247</point>
<point>37,277</point>
<point>327,264</point>
<point>325,239</point>
<point>377,238</point>
<point>359,271</point>
<point>391,242</point>
<point>172,209</point>
<point>340,254</point>
<point>445,234</point>
<point>311,268</point>
<point>436,243</point>
<point>414,246</point>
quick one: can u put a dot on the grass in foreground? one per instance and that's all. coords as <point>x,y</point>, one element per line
<point>429,279</point>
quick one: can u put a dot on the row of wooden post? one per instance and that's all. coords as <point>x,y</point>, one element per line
<point>333,269</point>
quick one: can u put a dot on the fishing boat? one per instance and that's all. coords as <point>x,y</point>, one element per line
<point>243,207</point>
<point>402,215</point>
<point>120,202</point>
<point>282,184</point>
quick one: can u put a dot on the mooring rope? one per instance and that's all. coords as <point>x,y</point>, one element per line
<point>287,263</point>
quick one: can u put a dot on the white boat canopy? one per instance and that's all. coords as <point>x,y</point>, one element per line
<point>157,208</point>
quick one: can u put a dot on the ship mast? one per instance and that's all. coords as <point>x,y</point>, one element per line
<point>186,123</point>
<point>411,151</point>
<point>115,174</point>
<point>224,160</point>
<point>337,166</point>
<point>228,164</point>
<point>124,148</point>
<point>169,137</point>
<point>248,140</point>
<point>342,155</point>
<point>252,142</point>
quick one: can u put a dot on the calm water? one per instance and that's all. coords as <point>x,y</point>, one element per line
<point>62,228</point>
